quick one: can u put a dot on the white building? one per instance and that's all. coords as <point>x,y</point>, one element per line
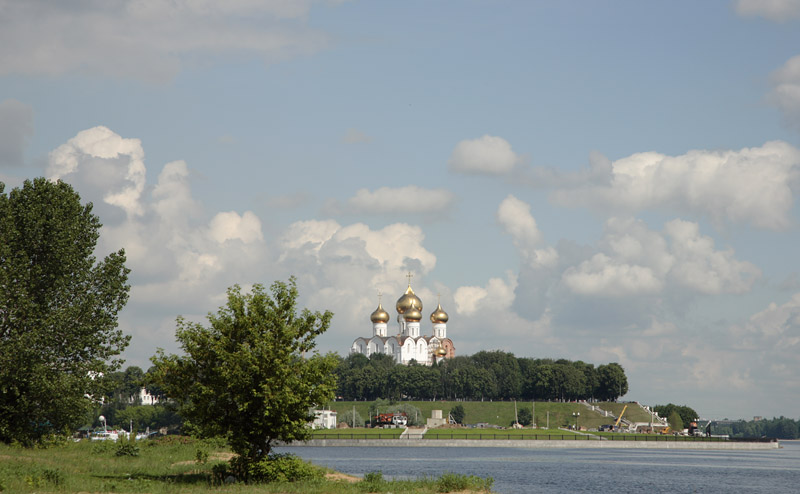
<point>324,419</point>
<point>407,344</point>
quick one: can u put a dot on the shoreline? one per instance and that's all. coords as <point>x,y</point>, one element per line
<point>540,444</point>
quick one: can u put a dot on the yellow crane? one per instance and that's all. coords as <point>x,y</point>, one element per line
<point>619,419</point>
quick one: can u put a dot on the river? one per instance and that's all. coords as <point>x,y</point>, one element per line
<point>517,471</point>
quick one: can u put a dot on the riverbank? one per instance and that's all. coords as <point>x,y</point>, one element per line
<point>540,444</point>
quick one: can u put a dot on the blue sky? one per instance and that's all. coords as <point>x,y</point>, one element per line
<point>603,181</point>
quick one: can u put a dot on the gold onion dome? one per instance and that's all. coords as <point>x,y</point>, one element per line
<point>441,352</point>
<point>379,315</point>
<point>439,315</point>
<point>408,300</point>
<point>413,314</point>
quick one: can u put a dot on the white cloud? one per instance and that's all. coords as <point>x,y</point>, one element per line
<point>16,129</point>
<point>774,10</point>
<point>487,155</point>
<point>634,260</point>
<point>752,185</point>
<point>399,200</point>
<point>785,93</point>
<point>497,295</point>
<point>515,217</point>
<point>701,268</point>
<point>147,40</point>
<point>117,166</point>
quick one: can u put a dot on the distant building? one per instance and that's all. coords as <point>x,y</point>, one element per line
<point>407,344</point>
<point>324,419</point>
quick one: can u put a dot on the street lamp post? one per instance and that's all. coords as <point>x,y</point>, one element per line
<point>576,415</point>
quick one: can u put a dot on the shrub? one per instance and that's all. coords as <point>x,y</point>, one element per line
<point>372,482</point>
<point>451,482</point>
<point>127,447</point>
<point>275,468</point>
<point>53,476</point>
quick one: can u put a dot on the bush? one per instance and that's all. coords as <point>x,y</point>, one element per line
<point>127,447</point>
<point>274,468</point>
<point>372,482</point>
<point>53,476</point>
<point>457,412</point>
<point>452,482</point>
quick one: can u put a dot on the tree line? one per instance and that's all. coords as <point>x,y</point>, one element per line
<point>486,375</point>
<point>781,428</point>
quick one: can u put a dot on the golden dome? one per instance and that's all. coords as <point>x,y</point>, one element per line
<point>439,316</point>
<point>413,314</point>
<point>408,300</point>
<point>441,352</point>
<point>379,315</point>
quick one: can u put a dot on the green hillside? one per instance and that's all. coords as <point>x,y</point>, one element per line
<point>501,413</point>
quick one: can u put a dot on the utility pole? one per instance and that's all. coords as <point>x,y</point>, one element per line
<point>548,419</point>
<point>533,414</point>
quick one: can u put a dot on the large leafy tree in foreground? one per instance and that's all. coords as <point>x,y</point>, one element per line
<point>58,310</point>
<point>248,375</point>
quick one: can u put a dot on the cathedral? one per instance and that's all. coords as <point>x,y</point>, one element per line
<point>407,345</point>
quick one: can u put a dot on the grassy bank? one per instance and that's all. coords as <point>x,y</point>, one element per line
<point>177,465</point>
<point>501,413</point>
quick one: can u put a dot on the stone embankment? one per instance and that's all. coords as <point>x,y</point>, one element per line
<point>542,444</point>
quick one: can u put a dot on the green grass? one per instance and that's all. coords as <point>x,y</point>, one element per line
<point>461,433</point>
<point>357,433</point>
<point>168,466</point>
<point>499,413</point>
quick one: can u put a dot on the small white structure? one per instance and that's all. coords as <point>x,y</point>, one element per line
<point>324,419</point>
<point>144,398</point>
<point>436,419</point>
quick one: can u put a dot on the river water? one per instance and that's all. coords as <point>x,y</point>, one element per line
<point>517,470</point>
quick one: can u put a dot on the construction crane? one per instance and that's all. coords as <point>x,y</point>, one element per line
<point>619,419</point>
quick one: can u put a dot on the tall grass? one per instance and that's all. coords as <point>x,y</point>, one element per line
<point>170,465</point>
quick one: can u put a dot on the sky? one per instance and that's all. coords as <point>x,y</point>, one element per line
<point>590,180</point>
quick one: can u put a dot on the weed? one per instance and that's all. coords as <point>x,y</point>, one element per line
<point>372,482</point>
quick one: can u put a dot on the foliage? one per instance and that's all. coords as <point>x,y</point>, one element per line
<point>246,376</point>
<point>127,447</point>
<point>781,428</point>
<point>372,482</point>
<point>675,421</point>
<point>58,310</point>
<point>457,412</point>
<point>351,418</point>
<point>274,468</point>
<point>524,416</point>
<point>686,414</point>
<point>491,375</point>
<point>452,482</point>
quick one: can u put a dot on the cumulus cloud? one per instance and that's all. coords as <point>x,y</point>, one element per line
<point>147,40</point>
<point>785,93</point>
<point>774,10</point>
<point>752,185</point>
<point>487,155</point>
<point>16,129</point>
<point>397,200</point>
<point>634,260</point>
<point>116,166</point>
<point>515,217</point>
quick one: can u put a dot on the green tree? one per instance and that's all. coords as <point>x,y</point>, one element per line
<point>58,310</point>
<point>351,417</point>
<point>247,376</point>
<point>525,417</point>
<point>458,414</point>
<point>611,382</point>
<point>675,421</point>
